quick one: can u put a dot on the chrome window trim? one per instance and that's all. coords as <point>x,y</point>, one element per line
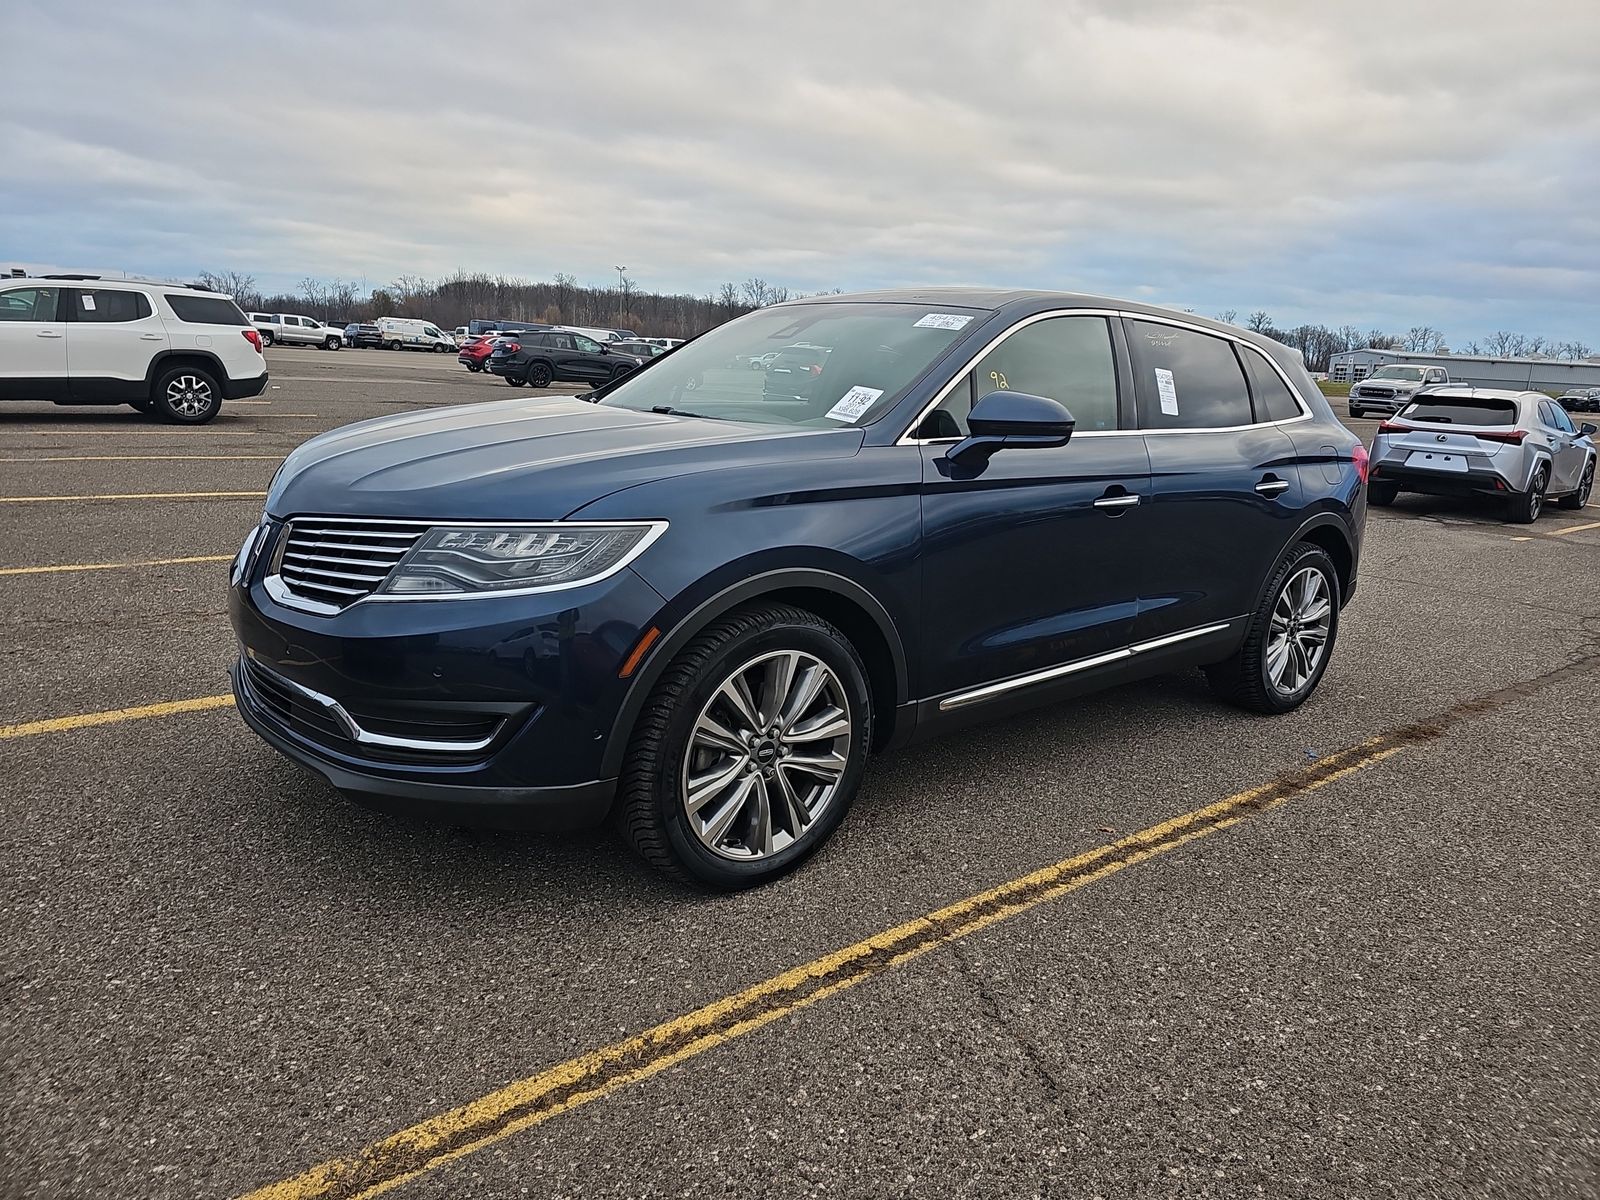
<point>364,737</point>
<point>279,591</point>
<point>906,439</point>
<point>991,690</point>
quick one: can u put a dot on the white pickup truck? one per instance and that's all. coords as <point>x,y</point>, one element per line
<point>293,330</point>
<point>1389,389</point>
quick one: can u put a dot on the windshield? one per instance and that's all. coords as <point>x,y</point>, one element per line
<point>818,365</point>
<point>1409,374</point>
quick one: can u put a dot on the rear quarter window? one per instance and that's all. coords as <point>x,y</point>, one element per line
<point>206,310</point>
<point>1448,411</point>
<point>1274,400</point>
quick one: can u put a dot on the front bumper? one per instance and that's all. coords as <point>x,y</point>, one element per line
<point>501,366</point>
<point>529,687</point>
<point>1383,404</point>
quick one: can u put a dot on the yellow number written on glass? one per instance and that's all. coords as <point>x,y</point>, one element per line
<point>998,378</point>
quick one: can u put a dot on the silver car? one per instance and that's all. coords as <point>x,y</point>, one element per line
<point>1458,441</point>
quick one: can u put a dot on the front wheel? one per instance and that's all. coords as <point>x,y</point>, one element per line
<point>1524,507</point>
<point>185,396</point>
<point>749,750</point>
<point>332,343</point>
<point>1580,497</point>
<point>1290,638</point>
<point>1357,412</point>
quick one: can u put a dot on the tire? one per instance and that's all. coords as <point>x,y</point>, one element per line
<point>1257,677</point>
<point>186,395</point>
<point>1580,497</point>
<point>515,381</point>
<point>730,847</point>
<point>440,348</point>
<point>1357,413</point>
<point>619,373</point>
<point>1382,495</point>
<point>332,343</point>
<point>266,338</point>
<point>1524,507</point>
<point>396,346</point>
<point>540,374</point>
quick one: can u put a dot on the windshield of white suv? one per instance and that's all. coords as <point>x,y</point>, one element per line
<point>1408,374</point>
<point>817,365</point>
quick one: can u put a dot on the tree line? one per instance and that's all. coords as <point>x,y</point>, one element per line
<point>625,305</point>
<point>463,296</point>
<point>1318,344</point>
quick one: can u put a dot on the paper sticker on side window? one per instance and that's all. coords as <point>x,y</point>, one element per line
<point>88,302</point>
<point>853,403</point>
<point>1168,391</point>
<point>943,321</point>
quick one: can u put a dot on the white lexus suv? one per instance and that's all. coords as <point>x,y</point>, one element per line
<point>170,350</point>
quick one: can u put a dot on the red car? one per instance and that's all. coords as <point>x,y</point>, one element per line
<point>475,354</point>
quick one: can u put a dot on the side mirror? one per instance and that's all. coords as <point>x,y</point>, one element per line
<point>604,349</point>
<point>1006,420</point>
<point>1589,429</point>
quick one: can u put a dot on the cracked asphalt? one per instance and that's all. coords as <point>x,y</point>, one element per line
<point>217,973</point>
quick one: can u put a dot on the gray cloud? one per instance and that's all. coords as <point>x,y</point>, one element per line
<point>1388,163</point>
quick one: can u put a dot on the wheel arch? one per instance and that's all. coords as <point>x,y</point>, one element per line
<point>841,601</point>
<point>167,359</point>
<point>1330,534</point>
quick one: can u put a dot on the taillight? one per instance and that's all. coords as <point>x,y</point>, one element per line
<point>1391,427</point>
<point>1362,461</point>
<point>1511,437</point>
<point>510,347</point>
<point>254,338</point>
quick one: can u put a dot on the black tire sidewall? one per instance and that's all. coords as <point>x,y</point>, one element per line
<point>700,862</point>
<point>1383,494</point>
<point>1304,554</point>
<point>542,369</point>
<point>158,396</point>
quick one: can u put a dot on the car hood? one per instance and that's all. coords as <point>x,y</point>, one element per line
<point>534,459</point>
<point>1398,385</point>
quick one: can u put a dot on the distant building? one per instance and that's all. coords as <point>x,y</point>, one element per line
<point>1517,374</point>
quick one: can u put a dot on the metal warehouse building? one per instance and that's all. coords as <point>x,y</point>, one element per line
<point>1517,374</point>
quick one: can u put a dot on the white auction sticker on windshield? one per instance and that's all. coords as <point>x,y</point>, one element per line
<point>1168,390</point>
<point>943,321</point>
<point>853,403</point>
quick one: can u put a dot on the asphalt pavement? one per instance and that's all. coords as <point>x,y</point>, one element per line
<point>1140,945</point>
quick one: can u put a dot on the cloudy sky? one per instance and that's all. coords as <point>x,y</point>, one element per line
<point>1381,164</point>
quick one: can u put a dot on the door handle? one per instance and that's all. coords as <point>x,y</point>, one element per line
<point>149,337</point>
<point>49,333</point>
<point>1272,487</point>
<point>1122,501</point>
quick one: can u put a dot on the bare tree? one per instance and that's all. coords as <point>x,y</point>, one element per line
<point>755,292</point>
<point>1260,322</point>
<point>728,295</point>
<point>1228,316</point>
<point>1423,339</point>
<point>1571,351</point>
<point>237,284</point>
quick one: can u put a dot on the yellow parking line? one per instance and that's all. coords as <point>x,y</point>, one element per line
<point>115,566</point>
<point>136,496</point>
<point>1574,529</point>
<point>146,458</point>
<point>114,717</point>
<point>526,1103</point>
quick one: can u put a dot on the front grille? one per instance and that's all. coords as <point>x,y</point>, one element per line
<point>336,561</point>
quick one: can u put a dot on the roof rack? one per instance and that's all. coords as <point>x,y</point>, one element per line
<point>70,277</point>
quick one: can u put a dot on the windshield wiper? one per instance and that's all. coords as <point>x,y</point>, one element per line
<point>667,410</point>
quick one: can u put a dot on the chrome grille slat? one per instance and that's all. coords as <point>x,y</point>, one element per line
<point>337,561</point>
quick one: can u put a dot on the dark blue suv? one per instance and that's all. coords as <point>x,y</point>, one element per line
<point>697,602</point>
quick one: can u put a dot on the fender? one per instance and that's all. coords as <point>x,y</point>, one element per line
<point>159,361</point>
<point>1327,519</point>
<point>729,598</point>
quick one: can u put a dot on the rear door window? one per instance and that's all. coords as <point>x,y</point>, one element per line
<point>1273,399</point>
<point>98,306</point>
<point>1186,380</point>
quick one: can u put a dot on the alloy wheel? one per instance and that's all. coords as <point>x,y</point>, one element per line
<point>1536,500</point>
<point>1586,488</point>
<point>1301,621</point>
<point>766,755</point>
<point>189,395</point>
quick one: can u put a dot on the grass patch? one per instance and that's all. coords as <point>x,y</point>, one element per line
<point>1330,388</point>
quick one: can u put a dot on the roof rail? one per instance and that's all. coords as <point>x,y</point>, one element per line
<point>70,277</point>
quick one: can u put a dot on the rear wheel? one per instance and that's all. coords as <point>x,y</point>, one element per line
<point>1525,507</point>
<point>186,396</point>
<point>395,345</point>
<point>1580,497</point>
<point>1290,639</point>
<point>515,380</point>
<point>266,338</point>
<point>620,372</point>
<point>540,374</point>
<point>1381,495</point>
<point>749,750</point>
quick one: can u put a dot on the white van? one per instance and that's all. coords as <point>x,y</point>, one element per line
<point>599,335</point>
<point>403,333</point>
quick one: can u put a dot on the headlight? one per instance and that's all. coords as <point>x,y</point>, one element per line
<point>469,560</point>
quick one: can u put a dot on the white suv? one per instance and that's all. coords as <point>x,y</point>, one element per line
<point>173,351</point>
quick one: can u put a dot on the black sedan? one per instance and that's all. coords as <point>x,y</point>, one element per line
<point>559,355</point>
